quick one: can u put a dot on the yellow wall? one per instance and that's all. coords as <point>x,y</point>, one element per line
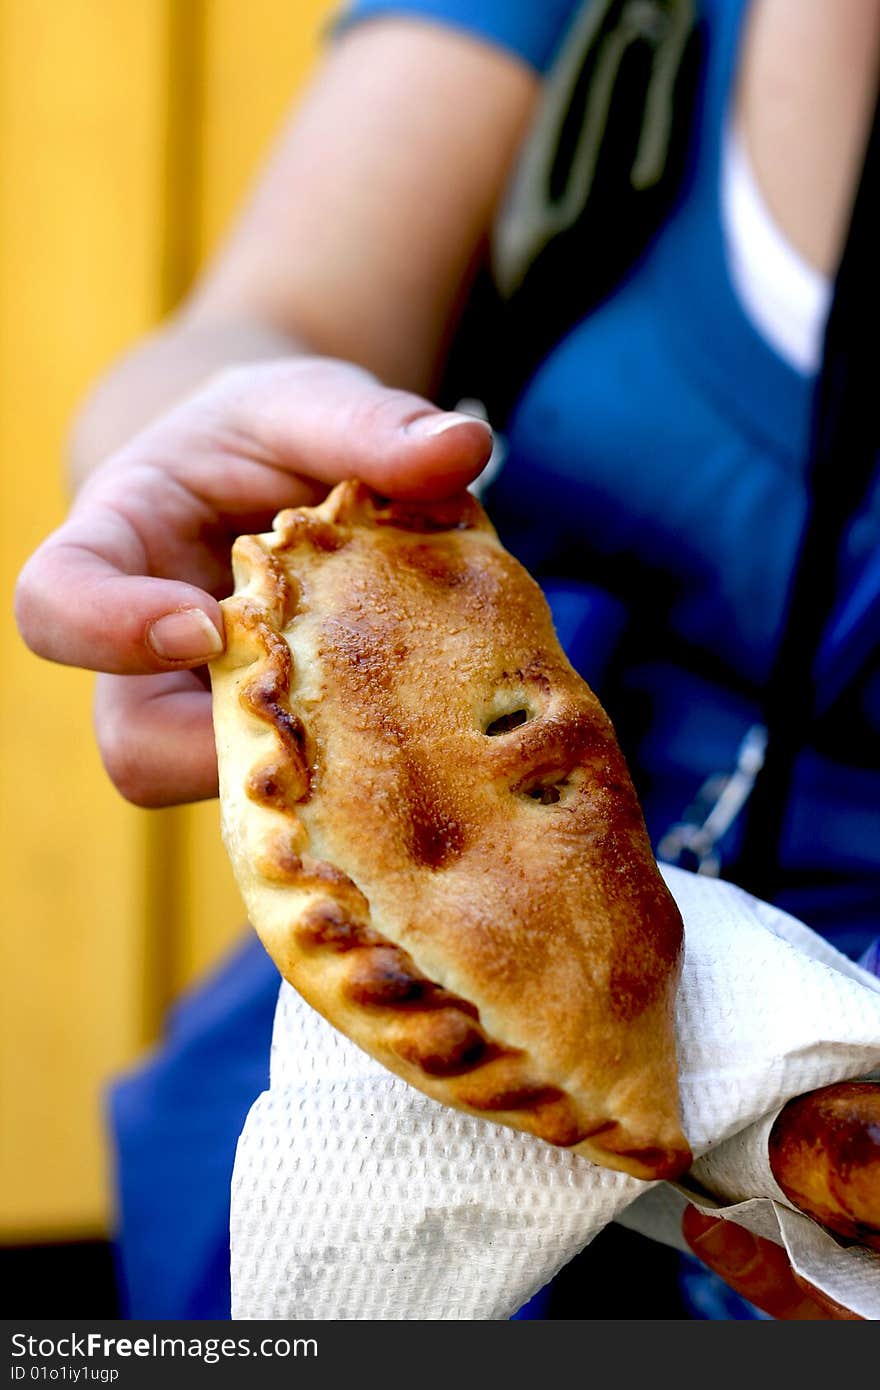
<point>128,130</point>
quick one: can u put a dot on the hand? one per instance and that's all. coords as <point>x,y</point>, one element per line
<point>129,584</point>
<point>824,1151</point>
<point>758,1270</point>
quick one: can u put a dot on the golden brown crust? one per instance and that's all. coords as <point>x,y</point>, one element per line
<point>435,831</point>
<point>825,1154</point>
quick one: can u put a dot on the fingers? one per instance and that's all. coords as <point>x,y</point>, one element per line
<point>332,421</point>
<point>125,585</point>
<point>758,1270</point>
<point>156,737</point>
<point>73,606</point>
<point>824,1152</point>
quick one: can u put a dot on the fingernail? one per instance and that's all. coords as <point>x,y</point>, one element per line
<point>426,426</point>
<point>185,636</point>
<point>727,1245</point>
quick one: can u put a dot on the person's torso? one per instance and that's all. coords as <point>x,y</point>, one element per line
<point>655,482</point>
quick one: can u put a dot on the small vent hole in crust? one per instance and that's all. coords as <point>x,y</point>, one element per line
<point>550,790</point>
<point>505,722</point>
<point>547,796</point>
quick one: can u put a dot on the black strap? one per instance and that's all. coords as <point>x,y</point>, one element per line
<point>843,456</point>
<point>595,180</point>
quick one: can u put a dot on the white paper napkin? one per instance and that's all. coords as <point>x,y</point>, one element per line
<point>356,1197</point>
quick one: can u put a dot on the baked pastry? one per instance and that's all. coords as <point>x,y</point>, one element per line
<point>434,830</point>
<point>825,1154</point>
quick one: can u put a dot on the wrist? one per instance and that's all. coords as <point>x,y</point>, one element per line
<point>160,372</point>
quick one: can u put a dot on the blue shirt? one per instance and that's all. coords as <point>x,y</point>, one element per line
<point>530,29</point>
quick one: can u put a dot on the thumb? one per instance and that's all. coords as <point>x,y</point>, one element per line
<point>330,420</point>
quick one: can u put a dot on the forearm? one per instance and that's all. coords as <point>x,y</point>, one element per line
<point>158,373</point>
<point>360,237</point>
